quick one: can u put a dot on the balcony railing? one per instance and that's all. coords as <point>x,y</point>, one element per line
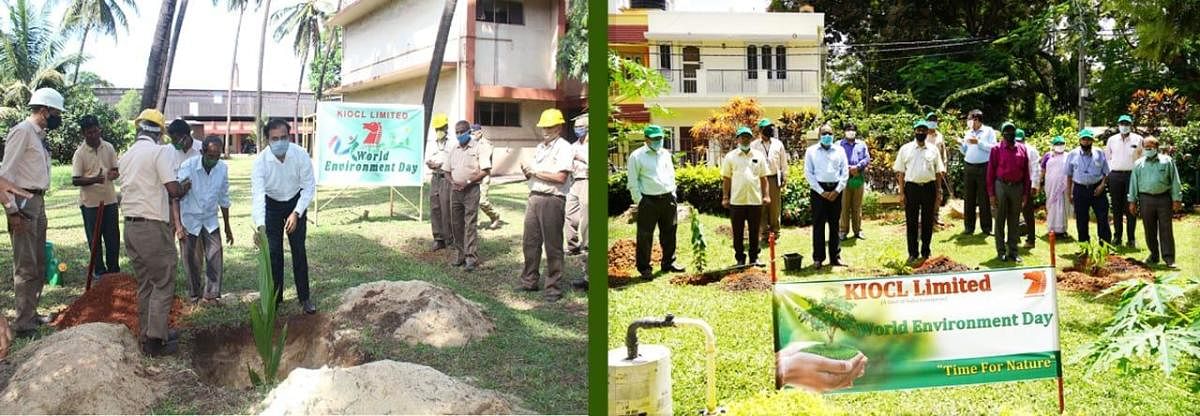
<point>730,82</point>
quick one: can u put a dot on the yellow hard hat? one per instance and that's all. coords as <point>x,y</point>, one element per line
<point>550,118</point>
<point>153,116</point>
<point>439,120</point>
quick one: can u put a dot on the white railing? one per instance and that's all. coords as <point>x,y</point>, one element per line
<point>730,82</point>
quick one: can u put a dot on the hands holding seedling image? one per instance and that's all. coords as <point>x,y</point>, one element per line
<point>813,372</point>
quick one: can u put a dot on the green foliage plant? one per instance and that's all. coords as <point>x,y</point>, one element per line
<point>268,342</point>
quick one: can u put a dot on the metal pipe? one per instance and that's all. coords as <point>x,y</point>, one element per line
<point>631,340</point>
<point>710,348</point>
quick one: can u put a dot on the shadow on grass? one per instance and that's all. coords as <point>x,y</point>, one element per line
<point>967,239</point>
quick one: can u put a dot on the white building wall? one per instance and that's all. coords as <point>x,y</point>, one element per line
<point>519,55</point>
<point>398,35</point>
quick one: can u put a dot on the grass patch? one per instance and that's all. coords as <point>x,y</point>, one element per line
<point>745,360</point>
<point>538,352</point>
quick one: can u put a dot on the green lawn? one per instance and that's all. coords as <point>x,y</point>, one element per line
<point>536,354</point>
<point>742,322</point>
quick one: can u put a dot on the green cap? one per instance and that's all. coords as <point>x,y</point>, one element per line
<point>1124,118</point>
<point>1020,135</point>
<point>1086,133</point>
<point>920,123</point>
<point>745,130</point>
<point>654,131</point>
<point>764,122</point>
<point>931,115</point>
<point>1058,140</point>
<point>1007,125</point>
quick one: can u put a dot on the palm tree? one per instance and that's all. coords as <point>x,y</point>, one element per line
<point>155,64</point>
<point>170,64</point>
<point>303,20</point>
<point>104,16</point>
<point>258,100</point>
<point>30,57</point>
<point>435,62</point>
<point>331,47</point>
<point>240,6</point>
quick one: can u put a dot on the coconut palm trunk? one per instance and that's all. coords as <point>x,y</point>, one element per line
<point>258,100</point>
<point>435,64</point>
<point>166,82</point>
<point>333,35</point>
<point>82,41</point>
<point>155,64</point>
<point>299,87</point>
<point>237,36</point>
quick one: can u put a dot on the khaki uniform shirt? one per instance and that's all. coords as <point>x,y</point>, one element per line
<point>468,161</point>
<point>26,159</point>
<point>145,168</point>
<point>88,163</point>
<point>438,151</point>
<point>552,158</point>
<point>579,163</point>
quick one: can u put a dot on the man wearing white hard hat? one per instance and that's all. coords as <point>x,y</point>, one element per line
<point>27,165</point>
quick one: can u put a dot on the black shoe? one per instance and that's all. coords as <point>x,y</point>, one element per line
<point>859,236</point>
<point>25,333</point>
<point>574,252</point>
<point>581,284</point>
<point>1170,264</point>
<point>43,320</point>
<point>1151,260</point>
<point>987,232</point>
<point>671,268</point>
<point>458,263</point>
<point>837,262</point>
<point>911,260</point>
<point>818,264</point>
<point>1002,257</point>
<point>438,245</point>
<point>156,347</point>
<point>1015,258</point>
<point>1131,244</point>
<point>308,307</point>
<point>1116,242</point>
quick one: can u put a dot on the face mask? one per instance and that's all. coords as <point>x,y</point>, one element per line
<point>932,125</point>
<point>464,138</point>
<point>745,148</point>
<point>655,145</point>
<point>1058,148</point>
<point>1085,147</point>
<point>441,134</point>
<point>581,132</point>
<point>54,121</point>
<point>279,148</point>
<point>851,134</point>
<point>826,140</point>
<point>208,163</point>
<point>1009,137</point>
<point>177,143</point>
<point>1124,129</point>
<point>1151,153</point>
<point>920,137</point>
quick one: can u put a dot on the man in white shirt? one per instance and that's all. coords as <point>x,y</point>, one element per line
<point>1035,176</point>
<point>577,200</point>
<point>1121,151</point>
<point>777,165</point>
<point>651,184</point>
<point>918,167</point>
<point>148,187</point>
<point>209,177</point>
<point>976,146</point>
<point>437,153</point>
<point>827,170</point>
<point>936,138</point>
<point>745,190</point>
<point>545,213</point>
<point>281,187</point>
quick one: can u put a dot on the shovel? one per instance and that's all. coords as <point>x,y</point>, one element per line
<point>95,242</point>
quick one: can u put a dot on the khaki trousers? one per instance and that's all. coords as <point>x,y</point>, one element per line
<point>439,207</point>
<point>544,218</point>
<point>852,198</point>
<point>485,204</point>
<point>577,216</point>
<point>29,263</point>
<point>151,248</point>
<point>771,212</point>
<point>464,208</point>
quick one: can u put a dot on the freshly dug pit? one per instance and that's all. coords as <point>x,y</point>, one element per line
<point>1115,270</point>
<point>113,299</point>
<point>221,356</point>
<point>622,261</point>
<point>750,280</point>
<point>940,264</point>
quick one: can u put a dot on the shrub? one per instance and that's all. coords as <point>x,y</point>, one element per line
<point>1184,146</point>
<point>63,141</point>
<point>700,186</point>
<point>619,199</point>
<point>797,207</point>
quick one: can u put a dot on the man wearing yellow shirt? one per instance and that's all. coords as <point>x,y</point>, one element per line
<point>744,192</point>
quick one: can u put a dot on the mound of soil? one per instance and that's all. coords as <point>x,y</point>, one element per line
<point>113,299</point>
<point>1115,270</point>
<point>940,264</point>
<point>414,312</point>
<point>697,279</point>
<point>622,261</point>
<point>750,280</point>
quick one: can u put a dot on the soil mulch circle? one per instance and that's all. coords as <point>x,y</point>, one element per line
<point>749,280</point>
<point>622,261</point>
<point>1115,270</point>
<point>940,264</point>
<point>113,299</point>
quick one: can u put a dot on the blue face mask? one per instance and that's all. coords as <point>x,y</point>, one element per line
<point>581,132</point>
<point>655,145</point>
<point>826,139</point>
<point>279,148</point>
<point>464,138</point>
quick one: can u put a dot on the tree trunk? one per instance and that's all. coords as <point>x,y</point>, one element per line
<point>333,34</point>
<point>166,81</point>
<point>435,63</point>
<point>82,41</point>
<point>258,101</point>
<point>237,35</point>
<point>154,64</point>
<point>299,87</point>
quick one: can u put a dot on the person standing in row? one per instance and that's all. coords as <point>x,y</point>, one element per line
<point>1087,172</point>
<point>93,169</point>
<point>1057,187</point>
<point>776,159</point>
<point>1035,176</point>
<point>1121,150</point>
<point>1008,191</point>
<point>202,250</point>
<point>651,182</point>
<point>281,187</point>
<point>858,158</point>
<point>149,195</point>
<point>577,200</point>
<point>745,190</point>
<point>918,167</point>
<point>976,146</point>
<point>470,164</point>
<point>485,204</point>
<point>938,140</point>
<point>1154,186</point>
<point>27,164</point>
<point>827,171</point>
<point>549,183</point>
<point>436,153</point>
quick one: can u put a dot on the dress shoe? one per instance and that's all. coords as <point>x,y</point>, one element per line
<point>308,306</point>
<point>156,347</point>
<point>1151,260</point>
<point>1116,242</point>
<point>843,237</point>
<point>671,268</point>
<point>647,275</point>
<point>818,264</point>
<point>581,284</point>
<point>911,260</point>
<point>438,245</point>
<point>1015,258</point>
<point>1131,244</point>
<point>1171,264</point>
<point>859,236</point>
<point>25,333</point>
<point>837,262</point>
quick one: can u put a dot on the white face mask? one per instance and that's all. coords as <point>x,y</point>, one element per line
<point>851,134</point>
<point>932,125</point>
<point>1124,129</point>
<point>1058,148</point>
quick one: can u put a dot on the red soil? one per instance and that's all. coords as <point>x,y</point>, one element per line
<point>113,299</point>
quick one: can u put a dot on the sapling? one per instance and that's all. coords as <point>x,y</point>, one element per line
<point>263,316</point>
<point>699,247</point>
<point>830,314</point>
<point>1094,255</point>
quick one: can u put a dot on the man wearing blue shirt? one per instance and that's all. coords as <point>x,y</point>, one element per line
<point>651,180</point>
<point>1087,172</point>
<point>827,171</point>
<point>858,158</point>
<point>209,178</point>
<point>976,146</point>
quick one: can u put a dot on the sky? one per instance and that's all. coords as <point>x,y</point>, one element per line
<point>205,49</point>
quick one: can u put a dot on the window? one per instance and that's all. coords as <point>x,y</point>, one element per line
<point>664,56</point>
<point>498,114</point>
<point>766,61</point>
<point>751,62</point>
<point>500,11</point>
<point>780,62</point>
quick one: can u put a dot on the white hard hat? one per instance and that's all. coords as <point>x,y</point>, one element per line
<point>47,97</point>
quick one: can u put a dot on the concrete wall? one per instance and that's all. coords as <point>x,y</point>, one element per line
<point>519,55</point>
<point>398,35</point>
